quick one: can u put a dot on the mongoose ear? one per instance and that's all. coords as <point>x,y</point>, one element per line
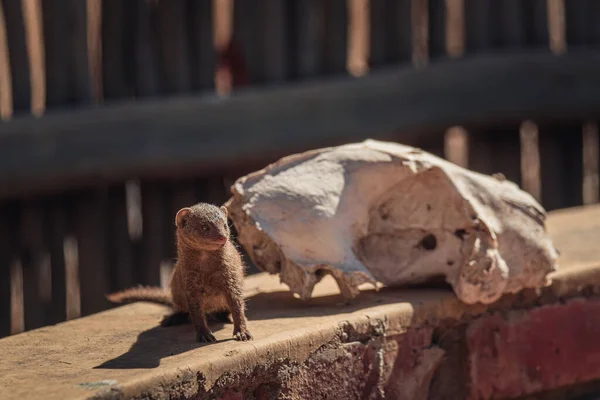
<point>180,214</point>
<point>224,209</point>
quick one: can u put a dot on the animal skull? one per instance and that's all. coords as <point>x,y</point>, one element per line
<point>384,212</point>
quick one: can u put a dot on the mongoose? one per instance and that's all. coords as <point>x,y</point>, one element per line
<point>207,278</point>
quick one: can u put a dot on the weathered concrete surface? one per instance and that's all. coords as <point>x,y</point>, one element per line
<point>413,344</point>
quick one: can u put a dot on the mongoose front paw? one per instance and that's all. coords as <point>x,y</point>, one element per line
<point>205,337</point>
<point>243,335</point>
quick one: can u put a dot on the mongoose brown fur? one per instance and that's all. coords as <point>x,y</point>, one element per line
<point>207,278</point>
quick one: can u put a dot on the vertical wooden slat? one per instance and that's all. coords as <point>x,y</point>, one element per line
<point>275,37</point>
<point>336,36</point>
<point>6,105</point>
<point>67,72</point>
<point>91,231</point>
<point>358,37</point>
<point>512,25</point>
<point>536,27</point>
<point>56,231</point>
<point>6,257</point>
<point>121,253</point>
<point>35,259</point>
<point>81,84</point>
<point>456,148</point>
<point>56,36</point>
<point>154,224</point>
<point>496,150</point>
<point>113,64</point>
<point>246,28</point>
<point>93,29</point>
<point>175,73</point>
<point>556,25</point>
<point>455,28</point>
<point>261,28</point>
<point>146,66</point>
<point>479,24</point>
<point>562,165</point>
<point>18,56</point>
<point>377,10</point>
<point>592,22</point>
<point>201,42</point>
<point>310,25</point>
<point>530,159</point>
<point>66,44</point>
<point>183,194</point>
<point>591,163</point>
<point>398,30</point>
<point>437,28</point>
<point>35,49</point>
<point>576,17</point>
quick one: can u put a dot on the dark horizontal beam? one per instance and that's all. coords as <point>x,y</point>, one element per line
<point>146,138</point>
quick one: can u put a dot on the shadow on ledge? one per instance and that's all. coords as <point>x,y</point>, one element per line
<point>159,342</point>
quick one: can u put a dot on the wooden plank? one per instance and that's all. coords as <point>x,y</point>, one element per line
<point>35,260</point>
<point>437,28</point>
<point>113,72</point>
<point>480,25</point>
<point>536,27</point>
<point>496,150</point>
<point>182,194</point>
<point>398,30</point>
<point>576,15</point>
<point>56,231</point>
<point>246,22</point>
<point>591,163</point>
<point>146,69</point>
<point>336,36</point>
<point>201,41</point>
<point>192,133</point>
<point>6,258</point>
<point>455,28</point>
<point>512,25</point>
<point>420,32</point>
<point>175,72</point>
<point>120,247</point>
<point>275,36</point>
<point>56,35</point>
<point>6,106</point>
<point>19,59</point>
<point>556,20</point>
<point>310,25</point>
<point>561,153</point>
<point>91,232</point>
<point>154,224</point>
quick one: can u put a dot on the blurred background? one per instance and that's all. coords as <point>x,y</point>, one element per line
<point>117,113</point>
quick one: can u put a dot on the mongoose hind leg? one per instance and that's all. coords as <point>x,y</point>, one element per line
<point>177,318</point>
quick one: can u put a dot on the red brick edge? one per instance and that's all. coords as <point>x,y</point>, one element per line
<point>524,352</point>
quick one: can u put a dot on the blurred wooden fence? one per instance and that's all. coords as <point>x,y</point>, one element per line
<point>116,113</point>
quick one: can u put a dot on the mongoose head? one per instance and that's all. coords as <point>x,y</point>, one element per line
<point>203,226</point>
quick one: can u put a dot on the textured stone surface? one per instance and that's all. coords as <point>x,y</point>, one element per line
<point>410,343</point>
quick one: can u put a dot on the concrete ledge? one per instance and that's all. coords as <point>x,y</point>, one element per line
<point>406,344</point>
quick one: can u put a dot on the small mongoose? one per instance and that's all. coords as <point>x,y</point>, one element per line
<point>207,278</point>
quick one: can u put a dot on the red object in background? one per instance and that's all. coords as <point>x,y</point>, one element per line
<point>232,71</point>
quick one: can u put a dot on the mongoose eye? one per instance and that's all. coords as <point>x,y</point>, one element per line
<point>205,227</point>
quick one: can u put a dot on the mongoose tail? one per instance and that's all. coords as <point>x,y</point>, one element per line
<point>152,294</point>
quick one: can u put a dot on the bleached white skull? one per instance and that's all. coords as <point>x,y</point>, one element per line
<point>384,212</point>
